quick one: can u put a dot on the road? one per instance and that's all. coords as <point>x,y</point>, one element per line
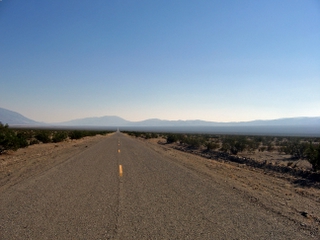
<point>120,188</point>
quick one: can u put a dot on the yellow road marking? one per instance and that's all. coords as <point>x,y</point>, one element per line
<point>118,150</point>
<point>120,171</point>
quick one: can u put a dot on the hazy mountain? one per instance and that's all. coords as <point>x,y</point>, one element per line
<point>117,121</point>
<point>304,126</point>
<point>300,121</point>
<point>288,126</point>
<point>158,122</point>
<point>97,121</point>
<point>14,118</point>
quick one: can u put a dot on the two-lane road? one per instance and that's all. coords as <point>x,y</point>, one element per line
<point>121,189</point>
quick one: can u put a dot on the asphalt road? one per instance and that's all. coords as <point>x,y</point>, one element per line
<point>121,189</point>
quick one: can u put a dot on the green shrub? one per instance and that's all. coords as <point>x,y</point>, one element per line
<point>211,145</point>
<point>195,142</point>
<point>313,156</point>
<point>22,140</point>
<point>10,140</point>
<point>252,145</point>
<point>234,144</point>
<point>76,134</point>
<point>171,138</point>
<point>59,136</point>
<point>154,135</point>
<point>137,134</point>
<point>295,149</point>
<point>43,136</point>
<point>147,135</point>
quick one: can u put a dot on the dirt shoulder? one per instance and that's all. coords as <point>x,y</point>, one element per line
<point>273,192</point>
<point>16,166</point>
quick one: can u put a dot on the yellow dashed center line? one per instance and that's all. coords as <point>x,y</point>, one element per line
<point>120,171</point>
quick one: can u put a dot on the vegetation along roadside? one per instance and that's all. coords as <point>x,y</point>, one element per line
<point>13,139</point>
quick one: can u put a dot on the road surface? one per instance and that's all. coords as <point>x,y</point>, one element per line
<point>120,188</point>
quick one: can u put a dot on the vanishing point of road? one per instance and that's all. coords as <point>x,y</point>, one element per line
<point>120,188</point>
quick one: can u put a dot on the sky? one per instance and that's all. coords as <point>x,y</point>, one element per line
<point>215,60</point>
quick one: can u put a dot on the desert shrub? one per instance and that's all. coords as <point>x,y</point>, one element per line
<point>129,133</point>
<point>242,143</point>
<point>10,140</point>
<point>234,144</point>
<point>7,139</point>
<point>22,140</point>
<point>282,148</point>
<point>313,156</point>
<point>137,134</point>
<point>252,145</point>
<point>76,134</point>
<point>90,133</point>
<point>154,135</point>
<point>194,142</point>
<point>225,146</point>
<point>134,134</point>
<point>147,135</point>
<point>211,145</point>
<point>295,149</point>
<point>34,141</point>
<point>171,138</point>
<point>27,134</point>
<point>270,147</point>
<point>43,136</point>
<point>142,134</point>
<point>262,149</point>
<point>257,139</point>
<point>59,136</point>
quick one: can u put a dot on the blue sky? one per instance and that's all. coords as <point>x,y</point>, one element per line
<point>222,60</point>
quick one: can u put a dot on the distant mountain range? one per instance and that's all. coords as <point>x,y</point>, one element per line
<point>299,125</point>
<point>14,118</point>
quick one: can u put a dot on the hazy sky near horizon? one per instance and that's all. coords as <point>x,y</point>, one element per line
<point>223,60</point>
